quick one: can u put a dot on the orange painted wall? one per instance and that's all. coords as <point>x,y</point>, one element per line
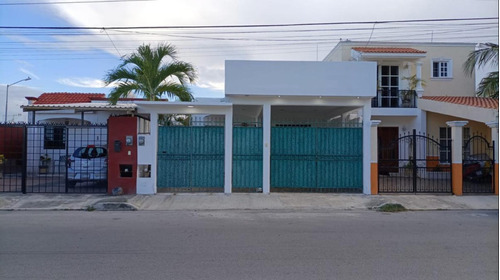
<point>456,179</point>
<point>374,177</point>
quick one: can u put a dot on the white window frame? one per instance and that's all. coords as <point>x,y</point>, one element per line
<point>445,154</point>
<point>449,68</point>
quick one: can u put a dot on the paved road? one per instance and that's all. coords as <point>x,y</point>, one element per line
<point>249,245</point>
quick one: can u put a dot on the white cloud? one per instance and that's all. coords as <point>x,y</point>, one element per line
<point>83,82</point>
<point>209,55</point>
<point>29,73</point>
<point>17,97</point>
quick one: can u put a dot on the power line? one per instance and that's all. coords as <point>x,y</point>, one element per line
<point>243,25</point>
<point>71,2</point>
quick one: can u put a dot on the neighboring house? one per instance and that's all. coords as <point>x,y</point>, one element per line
<point>448,93</point>
<point>70,108</point>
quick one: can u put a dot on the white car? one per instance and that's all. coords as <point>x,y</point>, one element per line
<point>88,164</point>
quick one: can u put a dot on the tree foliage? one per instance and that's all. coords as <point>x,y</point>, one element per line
<point>152,73</point>
<point>486,54</point>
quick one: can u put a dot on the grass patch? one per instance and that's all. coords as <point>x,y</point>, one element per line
<point>392,207</point>
<point>90,208</point>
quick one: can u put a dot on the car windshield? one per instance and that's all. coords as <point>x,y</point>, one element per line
<point>90,152</point>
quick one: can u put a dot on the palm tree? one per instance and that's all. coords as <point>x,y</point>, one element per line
<point>147,72</point>
<point>487,53</point>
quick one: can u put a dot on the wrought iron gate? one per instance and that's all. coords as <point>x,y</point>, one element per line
<point>415,163</point>
<point>478,165</point>
<point>317,157</point>
<point>191,158</point>
<point>53,158</point>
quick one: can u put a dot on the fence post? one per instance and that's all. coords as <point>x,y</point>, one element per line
<point>494,142</point>
<point>414,160</point>
<point>25,159</point>
<point>374,156</point>
<point>456,156</point>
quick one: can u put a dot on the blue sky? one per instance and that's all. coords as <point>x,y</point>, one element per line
<point>76,61</point>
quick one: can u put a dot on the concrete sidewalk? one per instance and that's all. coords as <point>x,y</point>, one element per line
<point>239,201</point>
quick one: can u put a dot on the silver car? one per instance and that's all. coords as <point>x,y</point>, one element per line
<point>88,164</point>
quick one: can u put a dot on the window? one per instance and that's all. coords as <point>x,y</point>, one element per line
<point>144,126</point>
<point>54,137</point>
<point>441,68</point>
<point>445,144</point>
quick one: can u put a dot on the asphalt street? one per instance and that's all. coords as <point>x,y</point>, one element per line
<point>240,244</point>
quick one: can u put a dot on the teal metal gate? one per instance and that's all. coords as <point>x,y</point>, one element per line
<point>190,158</point>
<point>317,159</point>
<point>247,159</point>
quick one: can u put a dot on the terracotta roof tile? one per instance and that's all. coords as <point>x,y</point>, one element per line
<point>481,102</point>
<point>67,98</point>
<point>386,50</point>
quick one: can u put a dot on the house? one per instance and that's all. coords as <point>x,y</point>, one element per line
<point>422,87</point>
<point>360,121</point>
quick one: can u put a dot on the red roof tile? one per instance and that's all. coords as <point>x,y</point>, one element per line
<point>67,98</point>
<point>481,102</point>
<point>387,50</point>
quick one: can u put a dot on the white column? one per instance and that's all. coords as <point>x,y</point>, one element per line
<point>366,147</point>
<point>228,151</point>
<point>456,155</point>
<point>154,139</point>
<point>419,89</point>
<point>266,151</point>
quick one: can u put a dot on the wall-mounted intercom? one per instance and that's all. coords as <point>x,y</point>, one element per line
<point>141,140</point>
<point>129,140</point>
<point>117,146</point>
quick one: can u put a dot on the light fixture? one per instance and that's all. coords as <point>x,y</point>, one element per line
<point>7,95</point>
<point>190,106</point>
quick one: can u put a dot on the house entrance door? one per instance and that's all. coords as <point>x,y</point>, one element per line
<point>389,151</point>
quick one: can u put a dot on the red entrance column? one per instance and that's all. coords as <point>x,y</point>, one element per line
<point>122,154</point>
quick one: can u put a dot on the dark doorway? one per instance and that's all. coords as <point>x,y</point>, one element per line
<point>388,152</point>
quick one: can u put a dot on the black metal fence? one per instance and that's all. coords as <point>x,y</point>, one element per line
<point>53,158</point>
<point>415,163</point>
<point>478,165</point>
<point>394,98</point>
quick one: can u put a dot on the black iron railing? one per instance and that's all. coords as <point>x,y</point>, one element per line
<point>393,98</point>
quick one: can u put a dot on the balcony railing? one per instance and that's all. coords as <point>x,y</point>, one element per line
<point>392,98</point>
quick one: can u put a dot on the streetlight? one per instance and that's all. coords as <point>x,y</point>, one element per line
<point>7,95</point>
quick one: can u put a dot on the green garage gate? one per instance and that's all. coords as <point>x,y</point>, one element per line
<point>190,158</point>
<point>316,158</point>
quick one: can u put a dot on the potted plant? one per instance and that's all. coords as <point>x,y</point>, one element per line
<point>407,95</point>
<point>44,164</point>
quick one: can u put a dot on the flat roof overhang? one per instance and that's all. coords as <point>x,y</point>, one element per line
<point>81,107</point>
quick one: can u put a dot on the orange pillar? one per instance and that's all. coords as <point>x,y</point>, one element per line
<point>374,157</point>
<point>456,156</point>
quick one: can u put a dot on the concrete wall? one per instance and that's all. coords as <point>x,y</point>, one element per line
<point>299,78</point>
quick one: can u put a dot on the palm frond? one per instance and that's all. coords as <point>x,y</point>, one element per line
<point>488,53</point>
<point>173,90</point>
<point>122,90</point>
<point>147,72</point>
<point>488,87</point>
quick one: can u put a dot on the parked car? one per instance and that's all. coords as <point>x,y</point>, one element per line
<point>477,166</point>
<point>88,164</point>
